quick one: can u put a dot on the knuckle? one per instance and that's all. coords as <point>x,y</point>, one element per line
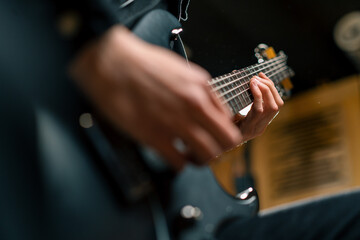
<point>267,90</point>
<point>271,83</point>
<point>194,101</point>
<point>259,110</point>
<point>275,108</point>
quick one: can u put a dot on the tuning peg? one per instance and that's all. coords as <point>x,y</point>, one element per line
<point>260,52</point>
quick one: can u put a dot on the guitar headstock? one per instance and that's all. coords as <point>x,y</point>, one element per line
<point>283,83</point>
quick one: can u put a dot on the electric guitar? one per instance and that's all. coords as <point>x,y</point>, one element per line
<point>83,180</point>
<point>197,204</point>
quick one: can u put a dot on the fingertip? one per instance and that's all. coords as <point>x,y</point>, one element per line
<point>256,87</point>
<point>255,82</point>
<point>261,74</point>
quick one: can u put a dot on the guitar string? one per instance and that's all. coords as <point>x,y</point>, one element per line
<point>243,98</point>
<point>235,105</point>
<point>278,71</point>
<point>234,90</point>
<point>240,75</point>
<point>282,63</point>
<point>236,73</point>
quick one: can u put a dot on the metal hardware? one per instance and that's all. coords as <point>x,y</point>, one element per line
<point>126,3</point>
<point>191,212</point>
<point>175,32</point>
<point>247,196</point>
<point>260,52</point>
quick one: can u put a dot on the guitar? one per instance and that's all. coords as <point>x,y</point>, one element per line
<point>76,172</point>
<point>96,184</point>
<point>197,205</point>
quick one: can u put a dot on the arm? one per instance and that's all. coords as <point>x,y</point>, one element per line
<point>151,94</point>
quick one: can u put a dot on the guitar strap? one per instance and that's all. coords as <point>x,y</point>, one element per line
<point>129,11</point>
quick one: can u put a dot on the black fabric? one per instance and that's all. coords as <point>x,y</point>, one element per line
<point>50,185</point>
<point>335,217</point>
<point>97,16</point>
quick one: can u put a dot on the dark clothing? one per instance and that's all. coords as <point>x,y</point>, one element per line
<point>53,185</point>
<point>53,182</point>
<point>335,217</point>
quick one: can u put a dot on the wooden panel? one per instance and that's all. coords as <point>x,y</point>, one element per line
<point>312,148</point>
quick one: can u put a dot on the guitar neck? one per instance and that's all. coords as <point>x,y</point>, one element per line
<point>234,88</point>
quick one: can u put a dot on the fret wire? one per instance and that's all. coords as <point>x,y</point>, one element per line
<point>270,75</point>
<point>247,74</point>
<point>233,104</point>
<point>236,98</point>
<point>248,80</point>
<point>240,88</point>
<point>240,97</point>
<point>278,58</point>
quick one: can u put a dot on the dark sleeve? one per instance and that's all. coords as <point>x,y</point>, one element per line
<point>93,18</point>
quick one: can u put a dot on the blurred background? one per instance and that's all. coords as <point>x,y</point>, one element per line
<point>222,35</point>
<point>311,148</point>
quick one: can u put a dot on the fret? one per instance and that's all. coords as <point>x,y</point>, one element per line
<point>235,102</point>
<point>230,94</point>
<point>237,99</point>
<point>234,87</point>
<point>244,87</point>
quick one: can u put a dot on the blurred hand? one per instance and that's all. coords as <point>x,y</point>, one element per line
<point>152,95</point>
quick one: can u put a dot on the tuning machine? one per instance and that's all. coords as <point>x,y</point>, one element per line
<point>260,52</point>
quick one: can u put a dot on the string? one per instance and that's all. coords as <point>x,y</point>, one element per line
<point>246,90</point>
<point>241,78</point>
<point>237,73</point>
<point>278,71</point>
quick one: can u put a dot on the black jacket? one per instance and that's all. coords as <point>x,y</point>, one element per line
<point>57,194</point>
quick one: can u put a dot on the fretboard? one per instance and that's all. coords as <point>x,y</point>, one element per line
<point>234,88</point>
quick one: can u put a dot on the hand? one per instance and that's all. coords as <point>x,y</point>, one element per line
<point>266,105</point>
<point>152,95</point>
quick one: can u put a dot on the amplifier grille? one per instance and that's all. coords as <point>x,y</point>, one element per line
<point>309,152</point>
<point>312,147</point>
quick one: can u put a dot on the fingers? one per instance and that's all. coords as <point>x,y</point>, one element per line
<point>174,157</point>
<point>207,127</point>
<point>266,105</point>
<point>257,94</point>
<point>217,103</point>
<point>269,102</point>
<point>266,97</point>
<point>220,125</point>
<point>212,133</point>
<point>270,84</point>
